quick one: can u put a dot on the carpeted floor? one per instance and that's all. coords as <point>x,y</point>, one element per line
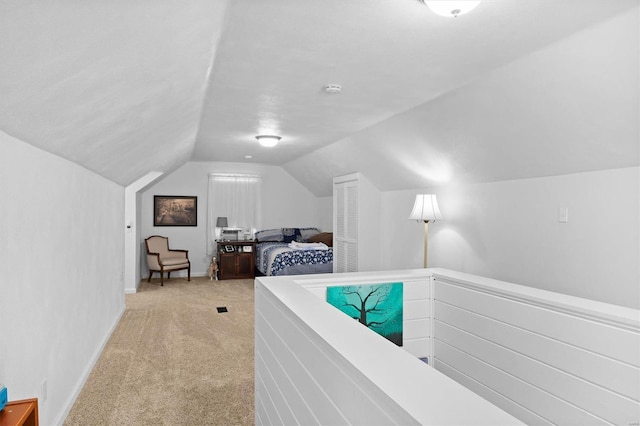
<point>174,360</point>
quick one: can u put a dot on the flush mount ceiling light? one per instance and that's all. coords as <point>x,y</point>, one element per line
<point>268,140</point>
<point>451,8</point>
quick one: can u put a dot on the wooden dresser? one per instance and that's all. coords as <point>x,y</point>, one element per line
<point>236,259</point>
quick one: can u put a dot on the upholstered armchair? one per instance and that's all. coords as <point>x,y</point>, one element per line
<point>162,259</point>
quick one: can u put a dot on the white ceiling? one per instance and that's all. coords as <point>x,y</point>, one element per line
<point>514,89</point>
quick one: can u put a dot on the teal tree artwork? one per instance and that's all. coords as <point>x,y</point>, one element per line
<point>376,306</point>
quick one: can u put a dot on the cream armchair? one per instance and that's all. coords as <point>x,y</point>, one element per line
<point>161,259</point>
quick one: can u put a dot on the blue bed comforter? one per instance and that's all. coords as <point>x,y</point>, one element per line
<point>276,258</point>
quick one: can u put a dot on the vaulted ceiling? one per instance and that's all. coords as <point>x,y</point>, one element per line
<point>511,90</point>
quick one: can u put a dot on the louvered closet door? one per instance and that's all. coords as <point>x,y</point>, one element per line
<point>346,227</point>
<point>351,239</point>
<point>339,259</point>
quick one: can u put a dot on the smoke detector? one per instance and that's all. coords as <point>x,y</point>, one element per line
<point>333,88</point>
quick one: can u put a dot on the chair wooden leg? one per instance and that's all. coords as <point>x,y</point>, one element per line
<point>150,273</point>
<point>162,277</point>
<point>189,273</point>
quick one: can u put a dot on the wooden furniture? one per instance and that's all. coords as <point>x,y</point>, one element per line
<point>21,412</point>
<point>162,259</point>
<point>236,259</point>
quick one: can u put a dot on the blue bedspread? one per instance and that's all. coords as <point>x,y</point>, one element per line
<point>279,259</point>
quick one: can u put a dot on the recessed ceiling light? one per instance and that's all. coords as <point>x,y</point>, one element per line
<point>248,157</point>
<point>268,140</point>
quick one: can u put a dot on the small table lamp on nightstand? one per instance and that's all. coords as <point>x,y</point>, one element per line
<point>222,222</point>
<point>426,210</point>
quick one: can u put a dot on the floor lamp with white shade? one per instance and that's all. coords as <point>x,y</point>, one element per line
<point>426,210</point>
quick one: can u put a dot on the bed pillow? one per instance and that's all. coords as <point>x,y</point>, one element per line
<point>291,234</point>
<point>323,237</point>
<point>306,233</point>
<point>269,235</point>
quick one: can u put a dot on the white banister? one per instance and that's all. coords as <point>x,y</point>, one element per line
<point>540,356</point>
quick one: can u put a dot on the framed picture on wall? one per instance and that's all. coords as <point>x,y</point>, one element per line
<point>175,210</point>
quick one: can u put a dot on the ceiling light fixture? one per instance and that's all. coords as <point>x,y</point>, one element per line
<point>451,8</point>
<point>268,140</point>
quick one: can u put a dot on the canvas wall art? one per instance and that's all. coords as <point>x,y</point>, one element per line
<point>376,306</point>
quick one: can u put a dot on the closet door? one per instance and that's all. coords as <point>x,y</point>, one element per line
<point>345,234</point>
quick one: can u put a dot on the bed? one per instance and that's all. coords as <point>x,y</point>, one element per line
<point>294,251</point>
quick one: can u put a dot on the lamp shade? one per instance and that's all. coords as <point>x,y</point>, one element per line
<point>425,208</point>
<point>222,222</point>
<point>451,8</point>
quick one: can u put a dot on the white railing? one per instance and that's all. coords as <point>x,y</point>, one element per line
<point>546,358</point>
<point>540,356</point>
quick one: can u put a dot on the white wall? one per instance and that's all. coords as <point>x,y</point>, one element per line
<point>285,203</point>
<point>132,246</point>
<point>508,230</point>
<point>61,273</point>
<point>325,213</point>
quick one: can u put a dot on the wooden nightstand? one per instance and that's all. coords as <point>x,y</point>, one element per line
<point>20,413</point>
<point>236,259</point>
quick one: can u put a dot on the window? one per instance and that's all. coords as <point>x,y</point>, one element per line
<point>236,197</point>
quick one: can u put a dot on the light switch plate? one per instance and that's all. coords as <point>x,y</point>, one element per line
<point>563,215</point>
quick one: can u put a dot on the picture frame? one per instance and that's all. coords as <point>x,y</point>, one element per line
<point>175,210</point>
<point>247,249</point>
<point>229,248</point>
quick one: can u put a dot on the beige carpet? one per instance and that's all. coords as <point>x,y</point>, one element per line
<point>174,360</point>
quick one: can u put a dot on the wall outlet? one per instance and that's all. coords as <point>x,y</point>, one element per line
<point>43,390</point>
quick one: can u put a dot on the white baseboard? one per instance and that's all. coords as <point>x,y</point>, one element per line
<point>85,374</point>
